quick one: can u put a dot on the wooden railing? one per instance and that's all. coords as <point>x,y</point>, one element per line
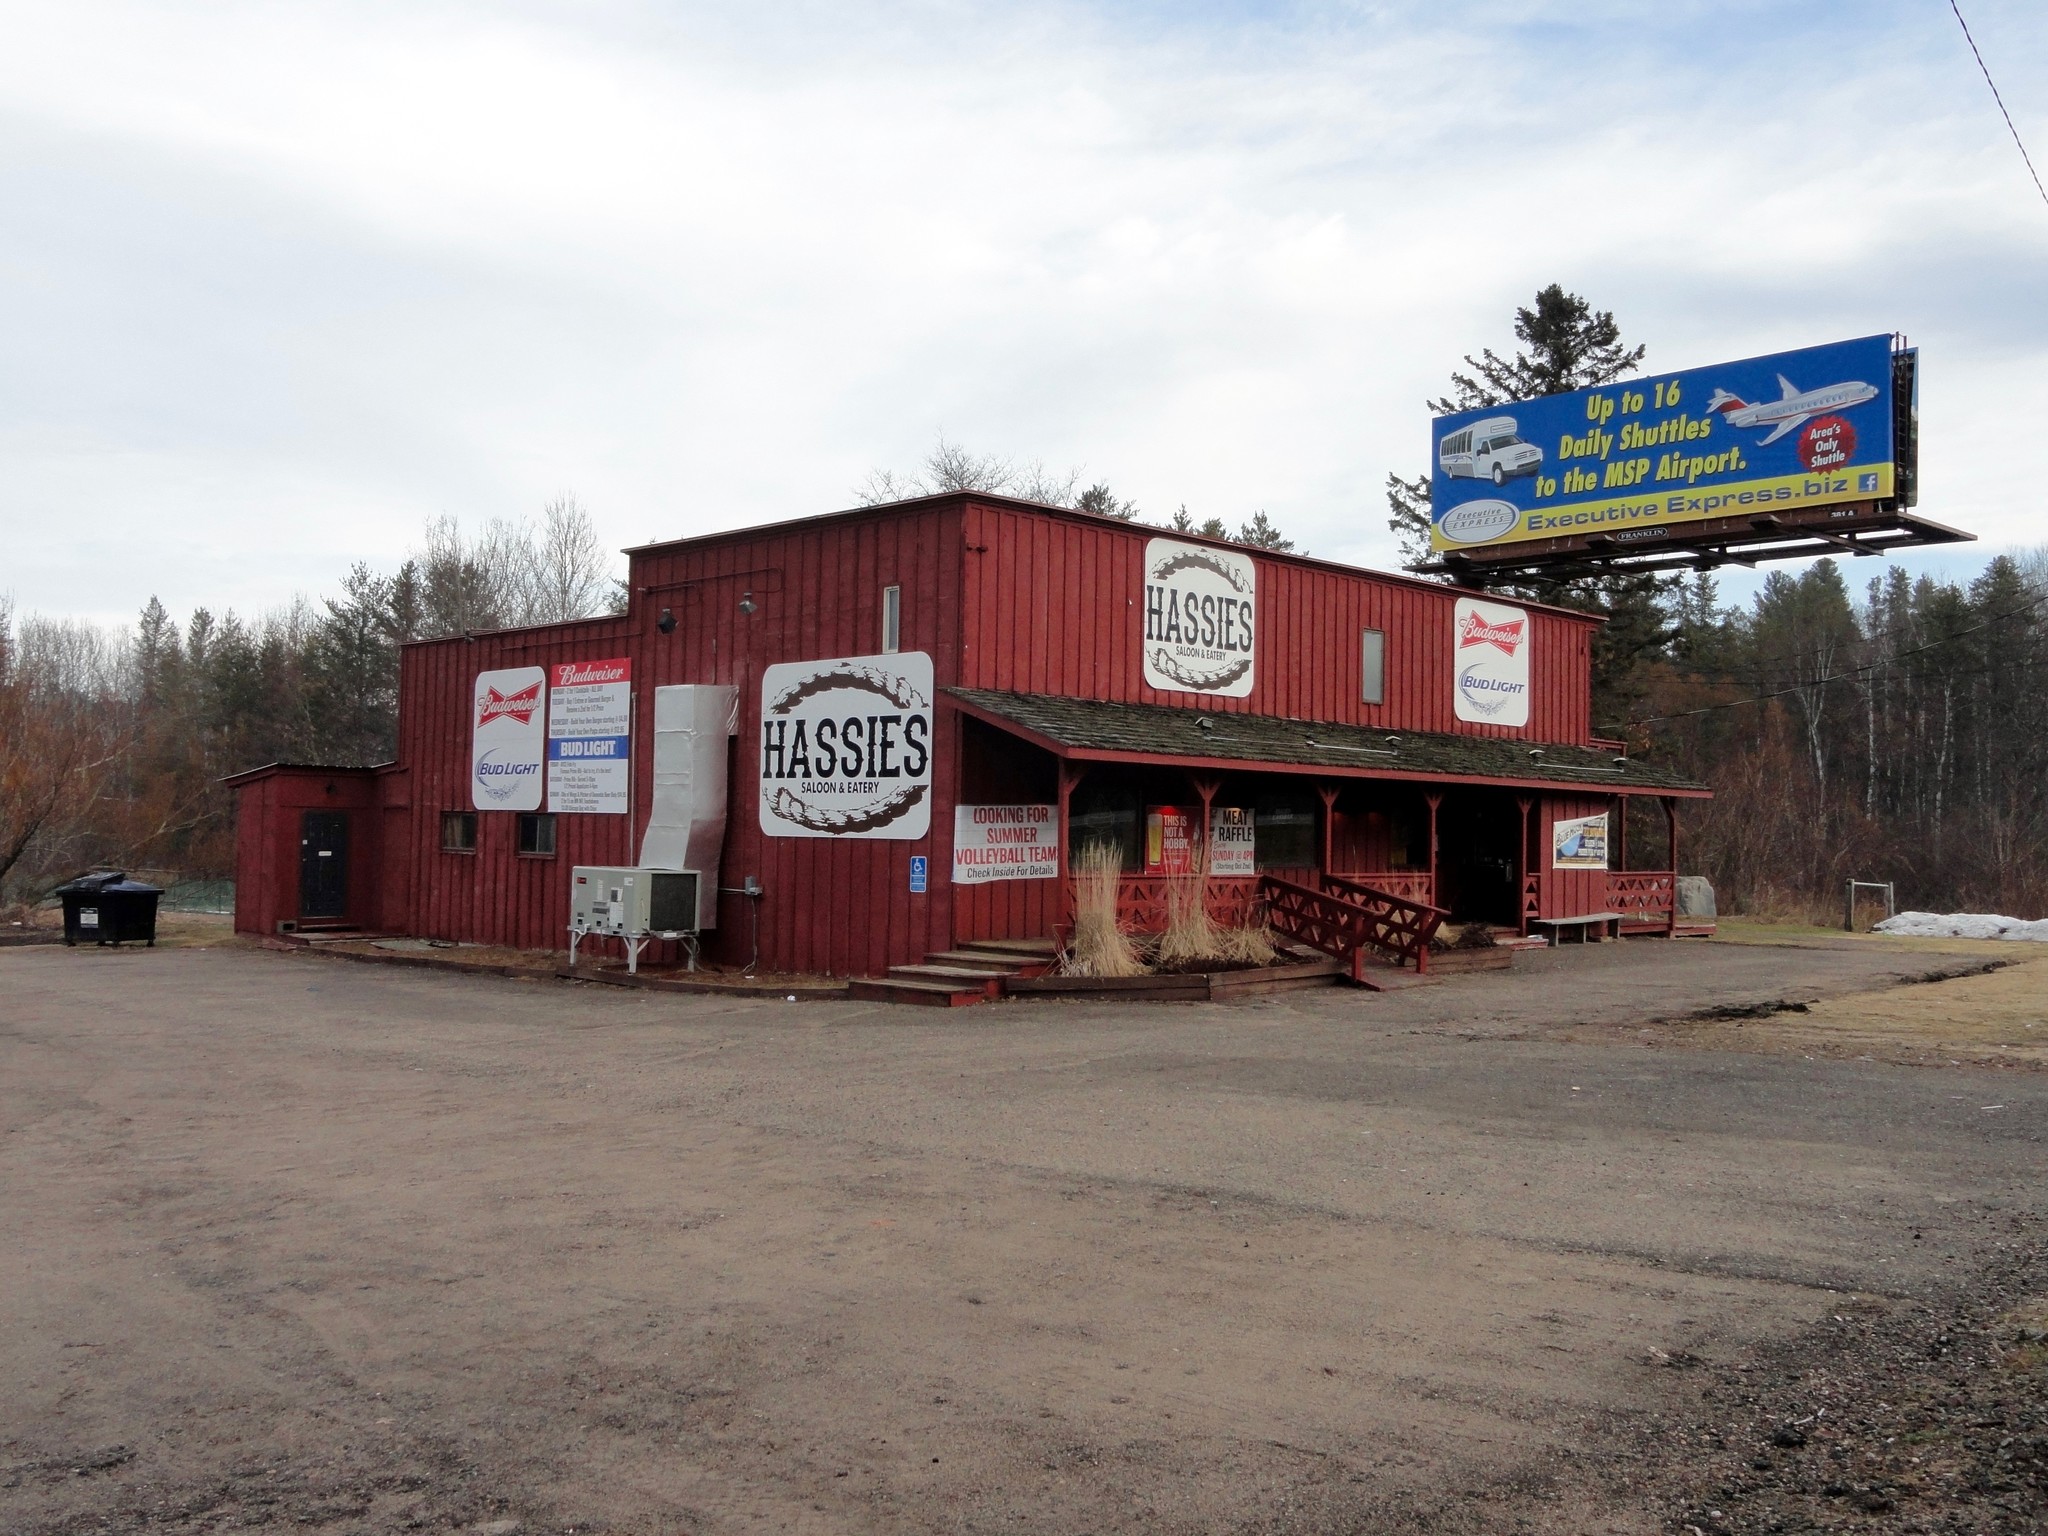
<point>1408,886</point>
<point>1643,896</point>
<point>1141,901</point>
<point>1345,919</point>
<point>1532,899</point>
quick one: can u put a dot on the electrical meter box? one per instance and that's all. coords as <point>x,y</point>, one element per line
<point>633,902</point>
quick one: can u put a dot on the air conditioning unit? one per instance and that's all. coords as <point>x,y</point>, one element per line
<point>633,905</point>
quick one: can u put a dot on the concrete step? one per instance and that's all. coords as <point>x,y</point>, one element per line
<point>928,994</point>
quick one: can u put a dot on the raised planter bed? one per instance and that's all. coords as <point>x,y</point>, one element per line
<point>808,989</point>
<point>1458,962</point>
<point>1192,987</point>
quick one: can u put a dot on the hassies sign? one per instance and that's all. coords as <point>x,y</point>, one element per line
<point>846,747</point>
<point>1200,619</point>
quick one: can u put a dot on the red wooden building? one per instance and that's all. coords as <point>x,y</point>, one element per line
<point>934,703</point>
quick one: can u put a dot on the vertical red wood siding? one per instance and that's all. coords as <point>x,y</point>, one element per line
<point>1573,892</point>
<point>1000,595</point>
<point>1055,605</point>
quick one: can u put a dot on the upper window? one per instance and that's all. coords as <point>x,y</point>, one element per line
<point>1372,686</point>
<point>458,831</point>
<point>892,620</point>
<point>537,834</point>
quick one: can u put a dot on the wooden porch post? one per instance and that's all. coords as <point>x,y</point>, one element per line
<point>1070,775</point>
<point>1671,825</point>
<point>1621,834</point>
<point>1522,868</point>
<point>1436,884</point>
<point>1207,788</point>
<point>1328,793</point>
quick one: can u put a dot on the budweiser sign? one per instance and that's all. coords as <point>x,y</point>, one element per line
<point>507,739</point>
<point>519,706</point>
<point>1490,663</point>
<point>1473,630</point>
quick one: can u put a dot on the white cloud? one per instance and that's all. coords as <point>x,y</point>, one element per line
<point>278,283</point>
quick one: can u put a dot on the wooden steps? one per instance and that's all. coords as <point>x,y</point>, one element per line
<point>973,972</point>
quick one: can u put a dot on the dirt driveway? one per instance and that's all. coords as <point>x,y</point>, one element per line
<point>299,1244</point>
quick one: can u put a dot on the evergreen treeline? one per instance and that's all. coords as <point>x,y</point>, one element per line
<point>1902,737</point>
<point>112,746</point>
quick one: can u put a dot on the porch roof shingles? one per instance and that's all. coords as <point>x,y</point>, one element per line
<point>1089,727</point>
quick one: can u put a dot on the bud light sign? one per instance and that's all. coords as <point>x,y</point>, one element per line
<point>590,737</point>
<point>508,739</point>
<point>1490,662</point>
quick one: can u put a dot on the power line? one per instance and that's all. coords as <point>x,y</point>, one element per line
<point>2000,100</point>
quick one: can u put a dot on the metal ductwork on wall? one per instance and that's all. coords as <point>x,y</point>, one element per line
<point>686,824</point>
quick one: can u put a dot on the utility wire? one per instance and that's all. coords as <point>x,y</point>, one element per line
<point>2000,100</point>
<point>1853,672</point>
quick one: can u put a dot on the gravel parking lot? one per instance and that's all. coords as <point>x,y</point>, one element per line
<point>302,1244</point>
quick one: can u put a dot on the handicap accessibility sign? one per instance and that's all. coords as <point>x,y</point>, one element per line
<point>918,865</point>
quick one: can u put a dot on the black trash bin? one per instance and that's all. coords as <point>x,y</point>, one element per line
<point>109,908</point>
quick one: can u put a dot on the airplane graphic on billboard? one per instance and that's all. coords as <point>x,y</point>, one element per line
<point>1794,407</point>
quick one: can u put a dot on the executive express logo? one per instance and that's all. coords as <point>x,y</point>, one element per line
<point>1200,619</point>
<point>1478,522</point>
<point>846,747</point>
<point>1492,663</point>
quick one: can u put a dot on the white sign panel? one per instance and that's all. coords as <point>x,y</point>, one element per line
<point>590,737</point>
<point>1200,613</point>
<point>1005,842</point>
<point>1490,662</point>
<point>507,739</point>
<point>846,747</point>
<point>1231,842</point>
<point>1580,844</point>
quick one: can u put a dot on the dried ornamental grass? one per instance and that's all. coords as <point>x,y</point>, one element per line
<point>1191,934</point>
<point>1249,942</point>
<point>1100,947</point>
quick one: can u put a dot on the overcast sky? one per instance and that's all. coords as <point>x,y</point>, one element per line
<point>279,283</point>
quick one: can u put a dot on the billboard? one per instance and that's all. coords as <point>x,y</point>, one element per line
<point>1632,460</point>
<point>846,747</point>
<point>590,737</point>
<point>1490,669</point>
<point>507,739</point>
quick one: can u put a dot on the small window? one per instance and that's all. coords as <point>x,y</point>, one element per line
<point>892,620</point>
<point>1372,686</point>
<point>537,834</point>
<point>458,831</point>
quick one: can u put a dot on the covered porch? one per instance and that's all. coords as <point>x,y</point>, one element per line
<point>1466,826</point>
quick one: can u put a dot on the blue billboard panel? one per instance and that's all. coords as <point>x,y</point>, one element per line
<point>1794,429</point>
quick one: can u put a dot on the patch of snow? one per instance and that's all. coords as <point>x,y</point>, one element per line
<point>1964,925</point>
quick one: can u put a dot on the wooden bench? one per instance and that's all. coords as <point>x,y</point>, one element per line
<point>1584,926</point>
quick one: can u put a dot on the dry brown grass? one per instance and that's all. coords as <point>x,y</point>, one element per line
<point>1101,947</point>
<point>1191,933</point>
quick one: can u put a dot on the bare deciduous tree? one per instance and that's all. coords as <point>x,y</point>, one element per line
<point>950,467</point>
<point>569,567</point>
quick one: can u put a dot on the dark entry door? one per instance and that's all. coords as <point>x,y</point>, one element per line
<point>323,864</point>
